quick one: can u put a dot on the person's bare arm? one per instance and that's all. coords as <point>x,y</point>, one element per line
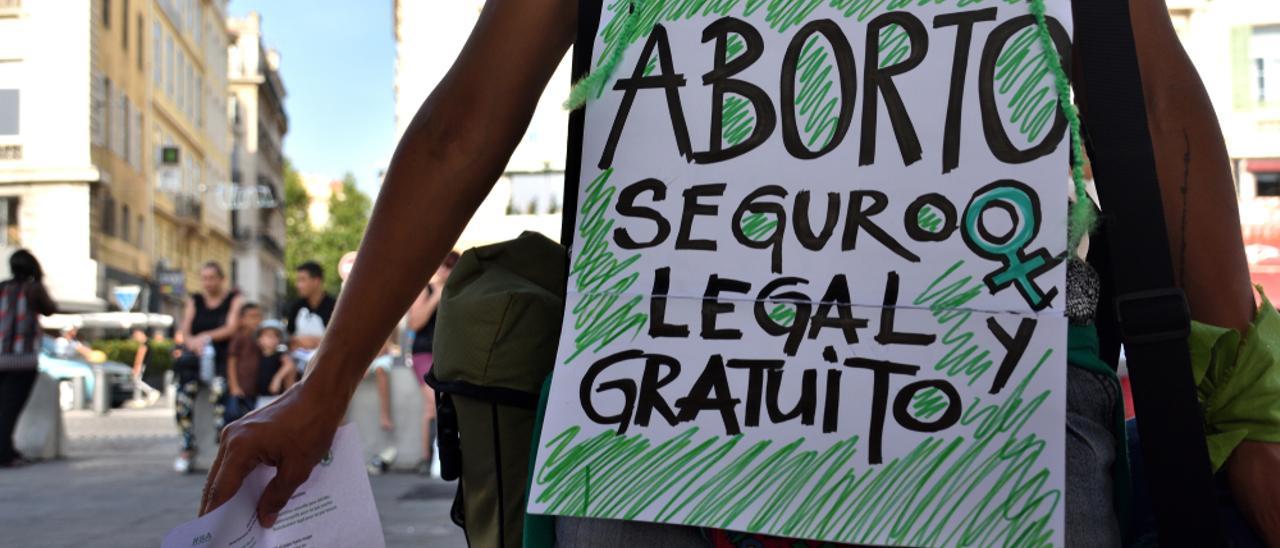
<point>283,378</point>
<point>1199,193</point>
<point>451,154</point>
<point>384,398</point>
<point>139,357</point>
<point>424,307</point>
<point>1203,222</point>
<point>1194,172</point>
<point>233,382</point>
<point>189,315</point>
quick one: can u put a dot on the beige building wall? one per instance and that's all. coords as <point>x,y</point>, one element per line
<point>188,41</point>
<point>72,177</point>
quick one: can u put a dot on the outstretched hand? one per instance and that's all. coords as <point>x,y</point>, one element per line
<point>292,434</point>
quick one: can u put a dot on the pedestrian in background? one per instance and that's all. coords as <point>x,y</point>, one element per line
<point>23,299</point>
<point>308,317</point>
<point>69,346</point>
<point>209,321</point>
<point>243,360</point>
<point>422,320</point>
<point>276,370</point>
<point>142,360</point>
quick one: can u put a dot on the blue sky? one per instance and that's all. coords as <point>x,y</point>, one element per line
<point>338,67</point>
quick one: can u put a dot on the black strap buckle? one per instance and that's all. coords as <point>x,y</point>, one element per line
<point>1153,316</point>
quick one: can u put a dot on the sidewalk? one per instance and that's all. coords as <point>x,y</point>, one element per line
<point>117,488</point>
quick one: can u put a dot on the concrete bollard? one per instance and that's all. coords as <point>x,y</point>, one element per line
<point>101,391</point>
<point>79,400</point>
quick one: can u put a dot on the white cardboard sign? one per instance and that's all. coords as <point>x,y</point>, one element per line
<point>817,286</point>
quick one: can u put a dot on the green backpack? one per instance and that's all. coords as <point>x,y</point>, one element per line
<point>495,343</point>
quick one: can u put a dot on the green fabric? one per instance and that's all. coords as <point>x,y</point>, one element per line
<point>1084,352</point>
<point>499,317</point>
<point>498,327</point>
<point>1238,382</point>
<point>539,529</point>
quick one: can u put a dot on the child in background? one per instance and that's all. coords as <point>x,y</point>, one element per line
<point>276,370</point>
<point>242,364</point>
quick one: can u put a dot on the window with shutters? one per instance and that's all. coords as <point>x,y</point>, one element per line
<point>9,111</point>
<point>157,64</point>
<point>1255,55</point>
<point>97,102</point>
<point>126,119</point>
<point>141,31</point>
<point>109,215</point>
<point>170,65</point>
<point>126,221</point>
<point>124,26</point>
<point>1268,183</point>
<point>136,130</point>
<point>9,235</point>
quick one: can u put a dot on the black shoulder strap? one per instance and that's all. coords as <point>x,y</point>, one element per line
<point>1151,314</point>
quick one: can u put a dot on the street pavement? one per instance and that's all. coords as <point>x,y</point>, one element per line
<point>116,487</point>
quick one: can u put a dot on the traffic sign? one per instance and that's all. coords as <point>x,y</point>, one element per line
<point>126,296</point>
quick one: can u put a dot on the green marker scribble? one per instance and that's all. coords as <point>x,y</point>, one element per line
<point>928,403</point>
<point>738,121</point>
<point>946,299</point>
<point>816,97</point>
<point>787,488</point>
<point>1024,80</point>
<point>601,278</point>
<point>779,15</point>
<point>783,314</point>
<point>893,45</point>
<point>733,46</point>
<point>758,226</point>
<point>929,220</point>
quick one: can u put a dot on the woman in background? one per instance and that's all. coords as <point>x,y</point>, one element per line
<point>208,323</point>
<point>23,299</point>
<point>422,320</point>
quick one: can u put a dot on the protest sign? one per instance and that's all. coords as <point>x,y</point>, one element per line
<point>816,285</point>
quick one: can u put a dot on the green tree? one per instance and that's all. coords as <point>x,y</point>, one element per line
<point>300,238</point>
<point>348,217</point>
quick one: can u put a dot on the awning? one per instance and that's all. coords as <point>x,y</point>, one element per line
<point>1262,165</point>
<point>107,320</point>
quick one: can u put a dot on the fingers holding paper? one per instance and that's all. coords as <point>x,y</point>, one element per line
<point>292,435</point>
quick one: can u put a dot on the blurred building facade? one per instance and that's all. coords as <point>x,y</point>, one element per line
<point>192,140</point>
<point>258,126</point>
<point>429,35</point>
<point>1235,45</point>
<point>115,145</point>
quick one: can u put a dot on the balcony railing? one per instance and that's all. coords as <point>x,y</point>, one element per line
<point>189,207</point>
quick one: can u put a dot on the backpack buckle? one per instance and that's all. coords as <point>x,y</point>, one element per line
<point>1153,316</point>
